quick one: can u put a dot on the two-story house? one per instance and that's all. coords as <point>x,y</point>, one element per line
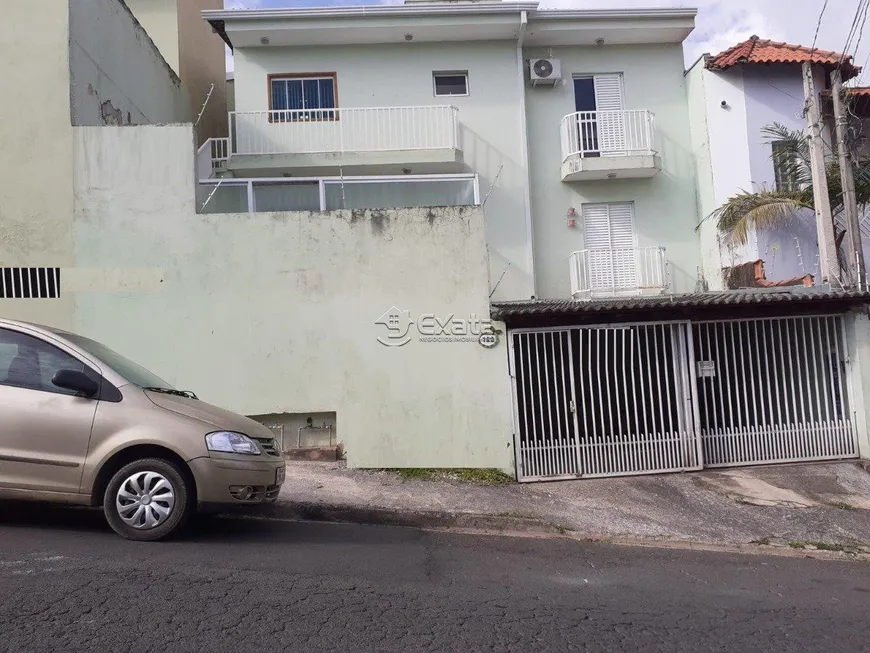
<point>569,127</point>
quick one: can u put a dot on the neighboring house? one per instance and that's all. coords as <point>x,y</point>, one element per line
<point>569,126</point>
<point>732,97</point>
<point>189,47</point>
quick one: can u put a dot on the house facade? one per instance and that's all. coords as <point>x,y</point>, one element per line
<point>733,97</point>
<point>442,234</point>
<point>568,127</point>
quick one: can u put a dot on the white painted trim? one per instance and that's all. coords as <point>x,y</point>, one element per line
<point>410,11</point>
<point>241,181</point>
<point>376,10</point>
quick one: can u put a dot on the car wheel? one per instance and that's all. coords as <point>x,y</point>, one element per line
<point>147,500</point>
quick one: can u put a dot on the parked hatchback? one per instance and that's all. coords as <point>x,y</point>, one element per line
<point>81,424</point>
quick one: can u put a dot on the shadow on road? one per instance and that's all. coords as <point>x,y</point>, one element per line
<point>222,529</point>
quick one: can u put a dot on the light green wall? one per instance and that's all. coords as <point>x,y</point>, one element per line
<point>665,206</point>
<point>275,312</point>
<point>401,75</point>
<point>700,132</point>
<point>36,149</point>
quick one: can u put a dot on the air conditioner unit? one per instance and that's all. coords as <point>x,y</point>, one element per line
<point>545,72</point>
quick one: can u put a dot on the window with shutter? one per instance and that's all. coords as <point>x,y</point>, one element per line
<point>598,99</point>
<point>610,239</point>
<point>611,120</point>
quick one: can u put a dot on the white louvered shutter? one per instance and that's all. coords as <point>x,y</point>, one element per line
<point>609,231</point>
<point>611,120</point>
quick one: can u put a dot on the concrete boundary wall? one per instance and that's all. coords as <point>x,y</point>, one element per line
<point>117,74</point>
<point>282,312</point>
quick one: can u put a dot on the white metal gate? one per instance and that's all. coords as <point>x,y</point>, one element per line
<point>614,400</point>
<point>773,390</point>
<point>608,400</point>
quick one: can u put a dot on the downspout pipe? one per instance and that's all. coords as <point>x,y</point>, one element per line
<point>524,147</point>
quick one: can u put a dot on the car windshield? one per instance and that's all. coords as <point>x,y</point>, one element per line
<point>133,372</point>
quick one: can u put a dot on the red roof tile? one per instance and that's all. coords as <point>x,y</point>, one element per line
<point>860,91</point>
<point>758,51</point>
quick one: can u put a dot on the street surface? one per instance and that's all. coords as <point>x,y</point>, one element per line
<point>238,585</point>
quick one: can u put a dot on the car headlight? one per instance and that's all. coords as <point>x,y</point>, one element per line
<point>231,442</point>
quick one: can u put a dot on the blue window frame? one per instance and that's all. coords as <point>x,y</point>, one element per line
<point>303,97</point>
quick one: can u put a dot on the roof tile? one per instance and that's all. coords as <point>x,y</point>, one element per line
<point>764,51</point>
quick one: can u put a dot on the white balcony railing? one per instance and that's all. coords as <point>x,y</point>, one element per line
<point>622,270</point>
<point>607,133</point>
<point>324,131</point>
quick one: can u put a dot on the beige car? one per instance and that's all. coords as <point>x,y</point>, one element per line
<point>81,424</point>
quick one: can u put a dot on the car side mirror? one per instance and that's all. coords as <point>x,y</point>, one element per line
<point>76,381</point>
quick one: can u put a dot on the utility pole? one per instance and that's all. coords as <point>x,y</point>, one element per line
<point>847,176</point>
<point>829,264</point>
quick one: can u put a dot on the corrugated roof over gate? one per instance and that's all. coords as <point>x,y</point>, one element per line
<point>712,305</point>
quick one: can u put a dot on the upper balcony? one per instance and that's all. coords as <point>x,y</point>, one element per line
<point>382,140</point>
<point>618,271</point>
<point>609,145</point>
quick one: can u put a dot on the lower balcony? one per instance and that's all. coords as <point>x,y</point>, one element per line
<point>609,145</point>
<point>622,271</point>
<point>233,195</point>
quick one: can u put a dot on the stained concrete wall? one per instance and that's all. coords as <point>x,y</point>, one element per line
<point>117,75</point>
<point>275,312</point>
<point>36,149</point>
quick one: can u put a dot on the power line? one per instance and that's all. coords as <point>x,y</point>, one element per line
<point>861,32</point>
<point>860,10</point>
<point>818,26</point>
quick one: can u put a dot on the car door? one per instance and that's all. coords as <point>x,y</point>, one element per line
<point>44,430</point>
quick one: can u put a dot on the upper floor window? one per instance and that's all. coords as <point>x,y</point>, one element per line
<point>450,84</point>
<point>785,167</point>
<point>303,96</point>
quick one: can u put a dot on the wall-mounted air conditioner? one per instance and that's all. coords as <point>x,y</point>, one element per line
<point>545,72</point>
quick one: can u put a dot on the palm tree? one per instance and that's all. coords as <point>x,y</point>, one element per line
<point>769,208</point>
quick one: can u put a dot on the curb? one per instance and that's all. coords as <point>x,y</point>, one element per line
<point>506,525</point>
<point>427,519</point>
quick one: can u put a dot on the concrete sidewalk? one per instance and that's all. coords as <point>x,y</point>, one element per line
<point>812,506</point>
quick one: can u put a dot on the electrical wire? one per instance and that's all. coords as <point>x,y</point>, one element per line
<point>818,26</point>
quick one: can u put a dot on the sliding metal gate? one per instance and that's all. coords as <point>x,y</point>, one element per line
<point>604,401</point>
<point>773,390</point>
<point>625,399</point>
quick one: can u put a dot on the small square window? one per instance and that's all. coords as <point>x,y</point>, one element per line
<point>450,84</point>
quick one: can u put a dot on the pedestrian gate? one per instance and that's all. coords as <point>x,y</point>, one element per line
<point>614,400</point>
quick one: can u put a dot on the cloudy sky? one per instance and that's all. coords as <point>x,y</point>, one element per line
<point>720,23</point>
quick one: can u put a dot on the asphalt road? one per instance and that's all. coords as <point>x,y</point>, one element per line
<point>68,584</point>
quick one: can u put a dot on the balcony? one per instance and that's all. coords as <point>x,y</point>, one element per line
<point>609,145</point>
<point>385,140</point>
<point>619,271</point>
<point>234,195</point>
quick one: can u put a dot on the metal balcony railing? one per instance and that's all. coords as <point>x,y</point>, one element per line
<point>607,133</point>
<point>616,271</point>
<point>376,129</point>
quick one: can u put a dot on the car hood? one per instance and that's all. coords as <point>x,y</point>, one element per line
<point>224,420</point>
